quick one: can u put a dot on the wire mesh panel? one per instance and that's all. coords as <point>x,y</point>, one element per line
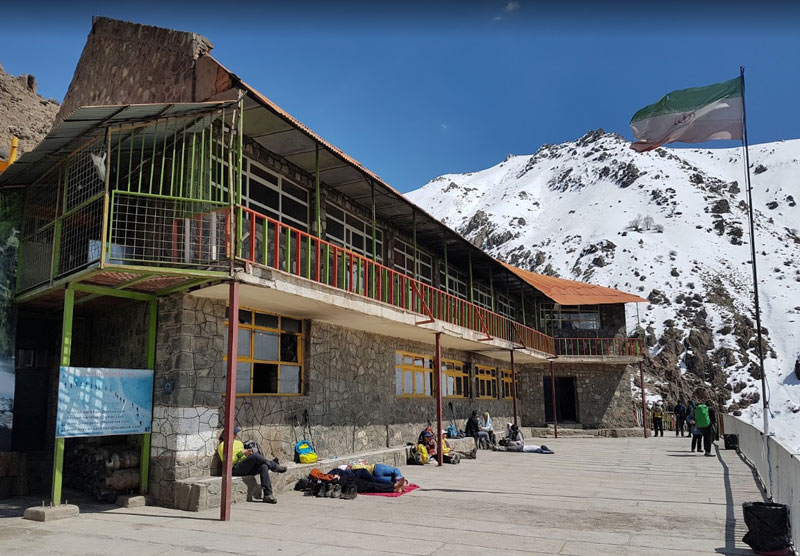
<point>85,174</point>
<point>80,233</point>
<point>157,230</point>
<point>35,258</point>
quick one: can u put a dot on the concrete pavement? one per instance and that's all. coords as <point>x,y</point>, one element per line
<point>625,496</point>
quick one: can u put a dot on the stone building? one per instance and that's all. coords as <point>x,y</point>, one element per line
<point>170,184</point>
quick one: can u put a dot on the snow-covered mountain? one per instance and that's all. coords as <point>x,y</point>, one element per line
<point>670,225</point>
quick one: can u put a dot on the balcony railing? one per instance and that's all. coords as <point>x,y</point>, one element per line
<point>273,244</point>
<point>598,347</point>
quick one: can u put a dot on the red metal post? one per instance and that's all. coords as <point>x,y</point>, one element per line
<point>514,386</point>
<point>644,404</point>
<point>230,401</point>
<point>553,393</point>
<point>437,380</point>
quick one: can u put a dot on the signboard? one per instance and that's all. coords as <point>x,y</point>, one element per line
<point>100,402</point>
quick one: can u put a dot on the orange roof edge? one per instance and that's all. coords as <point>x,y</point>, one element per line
<point>570,292</point>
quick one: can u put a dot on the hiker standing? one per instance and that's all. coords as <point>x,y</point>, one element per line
<point>703,424</point>
<point>657,416</point>
<point>680,417</point>
<point>249,462</point>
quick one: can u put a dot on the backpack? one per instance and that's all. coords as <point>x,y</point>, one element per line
<point>701,416</point>
<point>304,452</point>
<point>452,432</point>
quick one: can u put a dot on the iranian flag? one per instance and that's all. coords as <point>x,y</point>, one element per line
<point>691,116</point>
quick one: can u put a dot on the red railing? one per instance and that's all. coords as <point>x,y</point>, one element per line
<point>598,347</point>
<point>274,244</point>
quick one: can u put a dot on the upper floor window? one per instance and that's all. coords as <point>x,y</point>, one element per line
<point>269,193</point>
<point>455,283</point>
<point>404,262</point>
<point>571,317</point>
<point>351,232</point>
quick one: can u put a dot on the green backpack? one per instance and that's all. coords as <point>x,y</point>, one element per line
<point>701,416</point>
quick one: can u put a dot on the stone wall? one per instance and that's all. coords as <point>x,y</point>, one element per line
<point>129,63</point>
<point>349,395</point>
<point>603,394</point>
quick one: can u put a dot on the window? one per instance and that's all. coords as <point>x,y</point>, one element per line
<point>485,382</point>
<point>507,384</point>
<point>573,317</point>
<point>455,382</point>
<point>404,262</point>
<point>270,354</point>
<point>413,375</point>
<point>268,193</point>
<point>458,282</point>
<point>482,295</point>
<point>352,233</point>
<point>503,306</point>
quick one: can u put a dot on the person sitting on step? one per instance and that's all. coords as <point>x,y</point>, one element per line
<point>247,462</point>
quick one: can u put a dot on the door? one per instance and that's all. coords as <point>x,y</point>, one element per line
<point>566,400</point>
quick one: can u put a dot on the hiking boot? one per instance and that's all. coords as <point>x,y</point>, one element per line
<point>270,499</point>
<point>319,490</point>
<point>327,491</point>
<point>349,491</point>
<point>280,469</point>
<point>336,491</point>
<point>276,460</point>
<point>709,455</point>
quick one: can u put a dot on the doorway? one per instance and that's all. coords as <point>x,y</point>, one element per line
<point>566,400</point>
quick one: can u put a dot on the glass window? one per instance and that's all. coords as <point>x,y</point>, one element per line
<point>413,375</point>
<point>508,389</point>
<point>455,382</point>
<point>486,381</point>
<point>351,232</point>
<point>270,354</point>
<point>267,192</point>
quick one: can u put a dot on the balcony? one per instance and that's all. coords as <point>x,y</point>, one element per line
<point>154,206</point>
<point>617,350</point>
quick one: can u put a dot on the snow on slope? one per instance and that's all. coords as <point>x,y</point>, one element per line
<point>670,225</point>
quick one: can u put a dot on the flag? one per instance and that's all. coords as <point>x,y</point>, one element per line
<point>691,116</point>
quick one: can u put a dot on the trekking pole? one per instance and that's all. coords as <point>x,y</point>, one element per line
<point>310,436</point>
<point>295,424</point>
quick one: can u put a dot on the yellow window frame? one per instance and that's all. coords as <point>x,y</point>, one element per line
<point>507,385</point>
<point>253,327</point>
<point>485,381</point>
<point>454,369</point>
<point>406,363</point>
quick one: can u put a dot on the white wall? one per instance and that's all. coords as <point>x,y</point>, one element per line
<point>781,474</point>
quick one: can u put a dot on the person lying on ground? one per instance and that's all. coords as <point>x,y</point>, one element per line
<point>376,477</point>
<point>519,446</point>
<point>473,429</point>
<point>247,462</point>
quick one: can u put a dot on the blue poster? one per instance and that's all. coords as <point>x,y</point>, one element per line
<point>100,402</point>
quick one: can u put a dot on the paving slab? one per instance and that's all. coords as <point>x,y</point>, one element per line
<point>622,496</point>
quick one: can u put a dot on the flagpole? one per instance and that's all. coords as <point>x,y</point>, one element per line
<point>765,402</point>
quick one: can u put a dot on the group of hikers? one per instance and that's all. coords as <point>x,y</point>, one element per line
<point>699,420</point>
<point>346,480</point>
<point>482,430</point>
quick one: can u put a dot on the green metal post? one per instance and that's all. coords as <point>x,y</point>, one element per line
<point>471,292</point>
<point>144,457</point>
<point>316,191</point>
<point>201,171</point>
<point>163,159</point>
<point>491,288</point>
<point>119,155</point>
<point>191,168</point>
<point>524,320</point>
<point>141,162</point>
<point>130,160</point>
<point>414,236</point>
<point>446,269</point>
<point>66,351</point>
<point>153,159</point>
<point>373,278</point>
<point>239,146</point>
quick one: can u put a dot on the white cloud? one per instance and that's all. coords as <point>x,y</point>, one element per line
<point>512,6</point>
<point>444,126</point>
<point>498,18</point>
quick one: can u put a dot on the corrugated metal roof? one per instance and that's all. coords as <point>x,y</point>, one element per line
<point>64,137</point>
<point>570,292</point>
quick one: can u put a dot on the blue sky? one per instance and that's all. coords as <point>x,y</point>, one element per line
<point>418,89</point>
